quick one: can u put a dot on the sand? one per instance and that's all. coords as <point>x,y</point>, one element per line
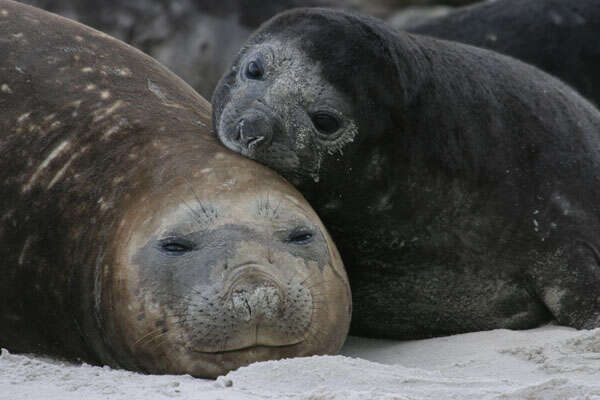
<point>550,362</point>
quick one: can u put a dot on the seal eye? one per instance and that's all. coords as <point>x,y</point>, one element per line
<point>254,69</point>
<point>325,122</point>
<point>301,236</point>
<point>175,246</point>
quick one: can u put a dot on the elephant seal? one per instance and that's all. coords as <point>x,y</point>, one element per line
<point>559,37</point>
<point>460,185</point>
<point>130,236</point>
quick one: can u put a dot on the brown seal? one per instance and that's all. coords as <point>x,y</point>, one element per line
<point>130,237</point>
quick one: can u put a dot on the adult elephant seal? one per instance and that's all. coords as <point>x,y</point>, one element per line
<point>130,237</point>
<point>461,186</point>
<point>559,37</point>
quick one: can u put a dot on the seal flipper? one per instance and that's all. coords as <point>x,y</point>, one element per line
<point>571,287</point>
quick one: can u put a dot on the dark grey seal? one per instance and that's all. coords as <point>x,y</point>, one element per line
<point>461,185</point>
<point>559,37</point>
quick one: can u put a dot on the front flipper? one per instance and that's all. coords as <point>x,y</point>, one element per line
<point>569,285</point>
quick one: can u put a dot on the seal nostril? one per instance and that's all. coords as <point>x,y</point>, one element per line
<point>242,137</point>
<point>239,131</point>
<point>253,130</point>
<point>255,299</point>
<point>254,140</point>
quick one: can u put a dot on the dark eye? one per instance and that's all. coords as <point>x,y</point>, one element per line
<point>325,122</point>
<point>301,236</point>
<point>254,69</point>
<point>175,246</point>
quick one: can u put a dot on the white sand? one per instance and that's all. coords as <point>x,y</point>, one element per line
<point>550,362</point>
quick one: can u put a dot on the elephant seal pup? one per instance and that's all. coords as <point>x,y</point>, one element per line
<point>130,236</point>
<point>460,185</point>
<point>559,37</point>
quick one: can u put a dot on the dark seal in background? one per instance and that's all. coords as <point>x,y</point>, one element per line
<point>560,37</point>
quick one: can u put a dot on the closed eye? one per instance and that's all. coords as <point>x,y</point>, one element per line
<point>300,237</point>
<point>176,246</point>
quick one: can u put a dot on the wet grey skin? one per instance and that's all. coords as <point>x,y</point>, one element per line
<point>130,236</point>
<point>460,185</point>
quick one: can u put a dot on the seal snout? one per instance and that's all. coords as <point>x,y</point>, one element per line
<point>252,131</point>
<point>260,302</point>
<point>256,297</point>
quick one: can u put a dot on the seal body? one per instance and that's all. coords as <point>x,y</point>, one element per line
<point>131,237</point>
<point>459,184</point>
<point>559,37</point>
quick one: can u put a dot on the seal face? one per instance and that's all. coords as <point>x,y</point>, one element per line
<point>284,92</point>
<point>130,236</point>
<point>435,167</point>
<point>237,276</point>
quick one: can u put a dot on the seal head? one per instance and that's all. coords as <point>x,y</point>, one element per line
<point>131,237</point>
<point>220,274</point>
<point>304,113</point>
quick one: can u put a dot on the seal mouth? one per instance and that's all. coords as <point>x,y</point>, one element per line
<point>256,313</point>
<point>245,349</point>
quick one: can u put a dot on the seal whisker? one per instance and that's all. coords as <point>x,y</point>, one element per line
<point>315,334</point>
<point>151,335</point>
<point>195,215</point>
<point>276,211</point>
<point>210,214</point>
<point>309,277</point>
<point>159,344</point>
<point>319,283</point>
